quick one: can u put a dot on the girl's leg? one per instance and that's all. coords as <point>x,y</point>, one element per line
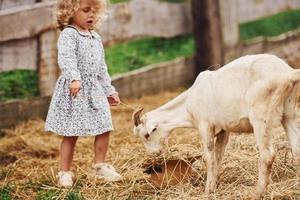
<point>100,147</point>
<point>103,169</point>
<point>67,152</point>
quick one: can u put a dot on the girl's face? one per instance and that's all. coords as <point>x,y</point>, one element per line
<point>85,16</point>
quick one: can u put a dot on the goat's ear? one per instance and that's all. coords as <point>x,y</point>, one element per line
<point>135,131</point>
<point>136,116</point>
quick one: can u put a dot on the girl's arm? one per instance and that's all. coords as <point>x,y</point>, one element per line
<point>105,80</point>
<point>67,58</point>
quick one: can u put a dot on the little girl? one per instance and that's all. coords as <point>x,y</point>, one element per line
<point>83,92</point>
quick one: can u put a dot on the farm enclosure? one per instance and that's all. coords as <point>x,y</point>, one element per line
<point>33,153</point>
<point>33,174</point>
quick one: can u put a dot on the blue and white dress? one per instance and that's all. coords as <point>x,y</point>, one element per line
<point>80,57</point>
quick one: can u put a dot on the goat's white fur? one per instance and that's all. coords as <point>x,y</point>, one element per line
<point>257,93</point>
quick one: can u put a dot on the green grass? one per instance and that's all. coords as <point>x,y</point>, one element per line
<point>55,194</point>
<point>5,193</point>
<point>18,84</point>
<point>271,26</point>
<point>132,55</point>
<point>49,194</point>
<point>74,196</point>
<point>118,1</point>
<point>135,54</point>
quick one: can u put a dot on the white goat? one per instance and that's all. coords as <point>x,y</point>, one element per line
<point>257,93</point>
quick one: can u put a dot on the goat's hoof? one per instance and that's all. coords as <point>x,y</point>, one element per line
<point>209,193</point>
<point>257,196</point>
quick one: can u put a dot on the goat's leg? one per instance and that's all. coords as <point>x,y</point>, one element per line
<point>266,155</point>
<point>207,136</point>
<point>220,145</point>
<point>293,131</point>
<point>265,113</point>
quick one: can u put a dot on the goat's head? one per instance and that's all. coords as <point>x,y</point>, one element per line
<point>150,130</point>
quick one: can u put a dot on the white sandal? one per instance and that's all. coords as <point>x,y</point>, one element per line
<point>107,172</point>
<point>65,179</point>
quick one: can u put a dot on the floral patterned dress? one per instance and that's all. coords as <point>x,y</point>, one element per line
<point>80,57</point>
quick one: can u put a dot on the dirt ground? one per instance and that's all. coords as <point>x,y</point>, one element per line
<point>29,163</point>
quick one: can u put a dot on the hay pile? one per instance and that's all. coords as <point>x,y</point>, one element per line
<point>34,163</point>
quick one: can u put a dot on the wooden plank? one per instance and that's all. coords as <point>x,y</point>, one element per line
<point>131,84</point>
<point>156,77</point>
<point>287,48</point>
<point>141,18</point>
<point>131,15</point>
<point>26,21</point>
<point>230,28</point>
<point>48,67</point>
<point>135,19</point>
<point>230,24</point>
<point>19,54</point>
<point>6,4</point>
<point>15,112</point>
<point>249,10</point>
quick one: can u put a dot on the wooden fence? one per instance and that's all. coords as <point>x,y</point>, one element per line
<point>285,45</point>
<point>147,80</point>
<point>7,4</point>
<point>30,43</point>
<point>249,10</point>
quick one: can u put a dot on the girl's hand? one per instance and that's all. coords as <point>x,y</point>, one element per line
<point>75,87</point>
<point>114,99</point>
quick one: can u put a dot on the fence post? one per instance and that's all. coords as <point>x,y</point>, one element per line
<point>230,28</point>
<point>208,34</point>
<point>48,70</point>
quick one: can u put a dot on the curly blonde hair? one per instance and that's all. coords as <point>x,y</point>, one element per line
<point>67,8</point>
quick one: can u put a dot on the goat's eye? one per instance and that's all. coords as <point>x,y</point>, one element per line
<point>154,129</point>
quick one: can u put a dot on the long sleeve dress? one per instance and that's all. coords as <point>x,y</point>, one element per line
<point>80,57</point>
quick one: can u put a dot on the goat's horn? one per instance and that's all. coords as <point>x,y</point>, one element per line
<point>137,116</point>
